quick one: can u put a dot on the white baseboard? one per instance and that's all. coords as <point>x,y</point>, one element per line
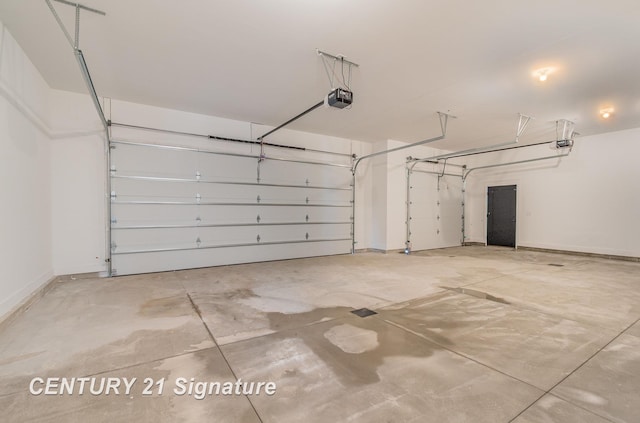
<point>25,296</point>
<point>79,269</point>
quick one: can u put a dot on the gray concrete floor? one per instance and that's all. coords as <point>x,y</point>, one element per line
<point>469,334</point>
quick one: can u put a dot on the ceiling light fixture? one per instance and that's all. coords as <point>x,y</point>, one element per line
<point>606,113</point>
<point>542,74</point>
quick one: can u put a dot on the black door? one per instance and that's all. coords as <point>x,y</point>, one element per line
<point>501,215</point>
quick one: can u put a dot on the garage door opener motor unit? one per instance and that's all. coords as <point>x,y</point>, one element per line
<point>339,98</point>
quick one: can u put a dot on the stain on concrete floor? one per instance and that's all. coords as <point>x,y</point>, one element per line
<point>463,334</point>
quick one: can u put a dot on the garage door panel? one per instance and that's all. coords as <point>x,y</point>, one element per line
<point>162,238</point>
<point>172,260</point>
<point>302,173</point>
<point>137,189</point>
<point>125,214</point>
<point>436,211</point>
<point>135,214</point>
<point>142,161</point>
<point>227,168</point>
<point>146,239</point>
<point>218,214</point>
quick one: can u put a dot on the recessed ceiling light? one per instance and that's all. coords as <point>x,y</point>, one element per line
<point>606,113</point>
<point>542,74</point>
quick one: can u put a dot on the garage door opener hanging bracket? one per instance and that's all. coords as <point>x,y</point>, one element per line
<point>333,60</point>
<point>565,133</point>
<point>75,45</point>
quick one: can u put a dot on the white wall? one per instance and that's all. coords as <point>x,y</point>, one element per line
<point>25,192</point>
<point>78,185</point>
<point>378,197</point>
<point>586,202</point>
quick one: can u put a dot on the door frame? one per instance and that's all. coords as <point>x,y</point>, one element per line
<point>486,209</point>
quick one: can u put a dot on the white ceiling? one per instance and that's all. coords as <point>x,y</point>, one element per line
<point>256,61</point>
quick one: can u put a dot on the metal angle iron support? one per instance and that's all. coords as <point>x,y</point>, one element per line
<point>523,121</point>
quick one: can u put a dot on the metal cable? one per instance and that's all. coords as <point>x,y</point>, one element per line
<point>344,82</point>
<point>324,63</point>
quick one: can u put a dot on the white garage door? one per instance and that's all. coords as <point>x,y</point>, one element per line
<point>177,207</point>
<point>436,210</point>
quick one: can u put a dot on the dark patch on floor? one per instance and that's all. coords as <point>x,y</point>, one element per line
<point>351,369</point>
<point>173,306</point>
<point>240,293</point>
<point>556,264</point>
<point>363,312</point>
<point>281,321</point>
<point>477,294</point>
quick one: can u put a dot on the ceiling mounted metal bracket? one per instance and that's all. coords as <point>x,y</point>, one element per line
<point>444,120</point>
<point>333,60</point>
<point>74,42</point>
<point>75,45</point>
<point>336,57</point>
<point>82,6</point>
<point>565,133</point>
<point>523,121</point>
<point>565,129</point>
